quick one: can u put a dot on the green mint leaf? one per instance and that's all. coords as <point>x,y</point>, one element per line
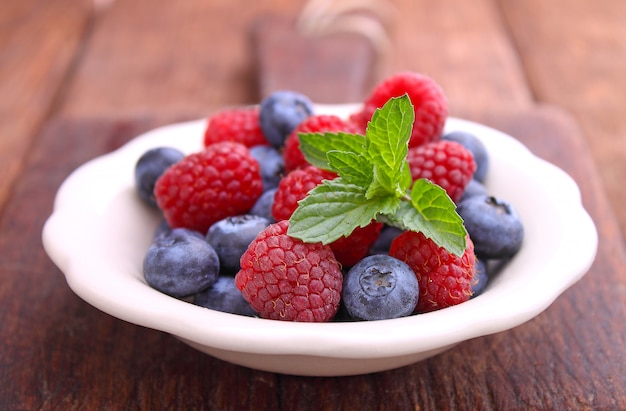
<point>432,212</point>
<point>388,205</point>
<point>332,210</point>
<point>315,146</point>
<point>406,179</point>
<point>387,138</point>
<point>354,168</point>
<point>373,183</point>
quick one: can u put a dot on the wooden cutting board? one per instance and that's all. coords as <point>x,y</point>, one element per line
<point>61,353</point>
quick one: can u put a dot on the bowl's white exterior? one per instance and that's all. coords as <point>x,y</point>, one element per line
<point>99,231</point>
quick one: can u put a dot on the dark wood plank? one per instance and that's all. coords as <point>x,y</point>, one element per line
<point>60,353</point>
<point>575,57</point>
<point>464,46</point>
<point>38,43</point>
<point>289,59</point>
<point>165,57</point>
<point>137,45</point>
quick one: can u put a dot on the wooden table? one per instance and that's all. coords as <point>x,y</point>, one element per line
<point>79,80</point>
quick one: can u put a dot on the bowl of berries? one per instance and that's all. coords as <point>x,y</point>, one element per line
<point>323,240</point>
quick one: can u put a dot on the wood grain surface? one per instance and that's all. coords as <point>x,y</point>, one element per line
<point>78,81</point>
<point>39,44</point>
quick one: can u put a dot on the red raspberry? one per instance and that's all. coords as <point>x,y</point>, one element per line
<point>240,124</point>
<point>313,124</point>
<point>357,122</point>
<point>204,187</point>
<point>444,279</point>
<point>445,163</point>
<point>429,103</point>
<point>284,278</point>
<point>294,187</point>
<point>351,249</point>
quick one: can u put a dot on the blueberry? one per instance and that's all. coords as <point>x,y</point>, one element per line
<point>280,114</point>
<point>493,225</point>
<point>272,165</point>
<point>180,263</point>
<point>383,242</point>
<point>164,229</point>
<point>480,278</point>
<point>380,287</point>
<point>263,205</point>
<point>224,296</point>
<point>231,237</point>
<point>149,168</point>
<point>476,147</point>
<point>474,188</point>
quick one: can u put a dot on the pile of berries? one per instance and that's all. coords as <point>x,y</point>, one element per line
<point>224,242</point>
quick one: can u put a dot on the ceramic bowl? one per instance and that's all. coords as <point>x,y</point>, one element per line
<point>99,231</point>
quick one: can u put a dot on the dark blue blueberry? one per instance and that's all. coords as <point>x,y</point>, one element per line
<point>386,236</point>
<point>474,188</point>
<point>231,237</point>
<point>476,147</point>
<point>224,296</point>
<point>281,112</point>
<point>493,225</point>
<point>149,168</point>
<point>164,229</point>
<point>263,205</point>
<point>380,287</point>
<point>272,165</point>
<point>180,263</point>
<point>480,278</point>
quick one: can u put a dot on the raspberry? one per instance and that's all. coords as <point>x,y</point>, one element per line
<point>429,103</point>
<point>314,124</point>
<point>207,186</point>
<point>294,187</point>
<point>445,163</point>
<point>444,279</point>
<point>240,125</point>
<point>351,249</point>
<point>284,278</point>
<point>476,147</point>
<point>357,122</point>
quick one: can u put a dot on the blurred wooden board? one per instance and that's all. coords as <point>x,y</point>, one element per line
<point>288,59</point>
<point>38,45</point>
<point>574,56</point>
<point>95,81</point>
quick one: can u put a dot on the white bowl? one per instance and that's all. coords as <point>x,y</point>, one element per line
<point>99,231</point>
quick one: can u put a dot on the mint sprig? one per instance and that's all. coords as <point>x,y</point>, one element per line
<point>374,183</point>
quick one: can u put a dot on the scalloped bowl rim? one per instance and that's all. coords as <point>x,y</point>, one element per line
<point>99,230</point>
